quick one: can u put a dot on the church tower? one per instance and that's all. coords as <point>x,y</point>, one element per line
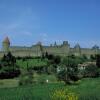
<point>6,44</point>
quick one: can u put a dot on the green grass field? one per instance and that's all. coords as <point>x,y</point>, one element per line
<point>7,83</point>
<point>87,89</point>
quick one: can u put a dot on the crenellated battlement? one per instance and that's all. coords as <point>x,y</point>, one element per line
<point>36,50</point>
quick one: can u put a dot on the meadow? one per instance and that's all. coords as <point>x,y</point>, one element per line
<point>87,89</point>
<point>32,84</point>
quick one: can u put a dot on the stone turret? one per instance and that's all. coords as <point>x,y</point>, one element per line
<point>96,49</point>
<point>55,44</point>
<point>77,50</point>
<point>39,43</point>
<point>65,48</point>
<point>77,46</point>
<point>39,48</point>
<point>6,44</point>
<point>65,42</point>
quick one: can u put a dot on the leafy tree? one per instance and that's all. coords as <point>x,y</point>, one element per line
<point>50,57</point>
<point>98,60</point>
<point>46,54</point>
<point>52,63</point>
<point>9,69</point>
<point>91,71</point>
<point>70,72</point>
<point>84,57</point>
<point>26,78</point>
<point>57,59</point>
<point>9,58</point>
<point>93,58</point>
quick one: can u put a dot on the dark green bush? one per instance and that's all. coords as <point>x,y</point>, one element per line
<point>91,71</point>
<point>26,78</point>
<point>8,67</point>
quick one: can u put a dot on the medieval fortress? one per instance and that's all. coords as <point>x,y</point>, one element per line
<point>38,49</point>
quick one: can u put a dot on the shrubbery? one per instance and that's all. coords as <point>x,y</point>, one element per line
<point>8,67</point>
<point>26,78</point>
<point>98,60</point>
<point>91,71</point>
<point>63,94</point>
<point>70,71</point>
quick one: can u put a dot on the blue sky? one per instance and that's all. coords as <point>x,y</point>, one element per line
<point>26,22</point>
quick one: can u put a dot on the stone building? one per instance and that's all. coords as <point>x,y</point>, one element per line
<point>37,50</point>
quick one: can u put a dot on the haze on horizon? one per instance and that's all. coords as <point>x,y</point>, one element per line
<point>26,22</point>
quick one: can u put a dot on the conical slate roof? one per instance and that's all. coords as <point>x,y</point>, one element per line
<point>77,46</point>
<point>6,40</point>
<point>39,43</point>
<point>95,47</point>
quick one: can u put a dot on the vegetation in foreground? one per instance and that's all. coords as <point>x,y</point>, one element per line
<point>87,89</point>
<point>48,77</point>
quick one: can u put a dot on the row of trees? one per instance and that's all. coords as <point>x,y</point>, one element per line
<point>67,69</point>
<point>71,71</point>
<point>8,67</point>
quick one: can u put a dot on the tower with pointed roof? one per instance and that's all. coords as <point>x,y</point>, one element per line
<point>6,44</point>
<point>77,50</point>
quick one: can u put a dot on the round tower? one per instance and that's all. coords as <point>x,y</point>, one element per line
<point>77,50</point>
<point>6,44</point>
